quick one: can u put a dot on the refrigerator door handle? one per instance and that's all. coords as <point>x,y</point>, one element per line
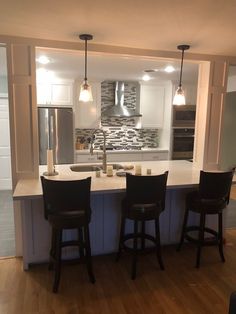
<point>47,129</point>
<point>51,126</point>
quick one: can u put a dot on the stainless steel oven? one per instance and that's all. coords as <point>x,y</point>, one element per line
<point>183,143</point>
<point>184,116</point>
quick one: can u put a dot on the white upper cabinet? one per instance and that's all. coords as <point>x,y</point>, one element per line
<point>152,100</point>
<point>56,94</point>
<point>88,114</point>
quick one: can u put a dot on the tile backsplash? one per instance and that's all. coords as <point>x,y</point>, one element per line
<point>121,132</point>
<point>121,137</point>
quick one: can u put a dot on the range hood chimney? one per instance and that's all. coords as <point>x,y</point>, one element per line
<point>118,109</point>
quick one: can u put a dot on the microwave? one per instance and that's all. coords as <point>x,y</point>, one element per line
<point>184,116</point>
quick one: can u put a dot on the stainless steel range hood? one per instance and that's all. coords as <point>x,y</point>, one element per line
<point>119,109</point>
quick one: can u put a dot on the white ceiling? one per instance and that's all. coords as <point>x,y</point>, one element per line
<point>70,65</point>
<point>207,25</point>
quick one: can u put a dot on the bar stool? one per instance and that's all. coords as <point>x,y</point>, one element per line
<point>211,198</point>
<point>67,206</point>
<point>144,201</point>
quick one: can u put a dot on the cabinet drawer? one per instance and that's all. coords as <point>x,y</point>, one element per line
<point>86,158</point>
<point>155,156</point>
<point>125,157</point>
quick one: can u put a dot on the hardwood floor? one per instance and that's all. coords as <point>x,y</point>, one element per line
<point>180,289</point>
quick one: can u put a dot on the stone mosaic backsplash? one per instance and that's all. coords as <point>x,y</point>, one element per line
<point>121,138</point>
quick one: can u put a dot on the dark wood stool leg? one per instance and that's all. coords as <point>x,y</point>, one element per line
<point>52,250</point>
<point>81,242</point>
<point>122,232</point>
<point>158,244</point>
<point>183,229</point>
<point>88,255</point>
<point>200,238</point>
<point>220,235</point>
<point>135,248</point>
<point>58,241</point>
<point>143,236</point>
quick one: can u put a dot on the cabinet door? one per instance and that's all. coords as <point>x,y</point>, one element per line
<point>61,94</point>
<point>152,98</point>
<point>58,94</point>
<point>155,156</point>
<point>88,114</point>
<point>43,94</point>
<point>119,157</point>
<point>86,158</point>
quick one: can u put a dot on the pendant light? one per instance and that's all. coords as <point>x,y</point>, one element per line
<point>85,88</point>
<point>179,98</point>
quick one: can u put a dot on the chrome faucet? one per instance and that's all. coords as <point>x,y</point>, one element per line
<point>104,155</point>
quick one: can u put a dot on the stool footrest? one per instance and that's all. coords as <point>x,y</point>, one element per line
<point>139,236</point>
<point>206,242</point>
<point>72,243</point>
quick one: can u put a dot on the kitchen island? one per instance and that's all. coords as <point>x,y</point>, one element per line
<point>106,196</point>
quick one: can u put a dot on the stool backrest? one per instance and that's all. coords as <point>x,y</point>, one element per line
<point>215,185</point>
<point>146,189</point>
<point>64,196</point>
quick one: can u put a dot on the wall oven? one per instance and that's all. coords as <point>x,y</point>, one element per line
<point>183,143</point>
<point>184,116</point>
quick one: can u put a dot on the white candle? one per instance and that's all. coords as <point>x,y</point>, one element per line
<point>109,171</point>
<point>50,166</point>
<point>138,170</point>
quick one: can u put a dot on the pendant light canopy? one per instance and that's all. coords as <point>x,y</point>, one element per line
<point>179,98</point>
<point>85,88</point>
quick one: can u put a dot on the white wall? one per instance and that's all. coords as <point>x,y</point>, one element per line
<point>5,150</point>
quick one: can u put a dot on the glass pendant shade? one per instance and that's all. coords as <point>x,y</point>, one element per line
<point>179,98</point>
<point>85,92</point>
<point>85,89</point>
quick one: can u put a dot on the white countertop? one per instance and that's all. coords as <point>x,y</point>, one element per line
<point>124,151</point>
<point>181,174</point>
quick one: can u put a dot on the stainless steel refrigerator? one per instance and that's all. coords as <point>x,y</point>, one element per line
<point>56,133</point>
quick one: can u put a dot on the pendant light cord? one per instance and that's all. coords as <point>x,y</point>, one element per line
<point>181,69</point>
<point>85,63</point>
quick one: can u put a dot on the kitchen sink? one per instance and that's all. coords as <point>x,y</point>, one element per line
<point>92,167</point>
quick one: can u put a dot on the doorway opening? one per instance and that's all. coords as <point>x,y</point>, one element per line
<point>7,225</point>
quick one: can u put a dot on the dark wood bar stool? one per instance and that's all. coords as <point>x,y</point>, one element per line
<point>144,201</point>
<point>67,206</point>
<point>211,198</point>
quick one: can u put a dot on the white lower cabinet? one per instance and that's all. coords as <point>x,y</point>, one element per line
<point>147,156</point>
<point>86,158</point>
<point>119,157</point>
<point>123,157</point>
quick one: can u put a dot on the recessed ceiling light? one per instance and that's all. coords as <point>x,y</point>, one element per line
<point>43,60</point>
<point>169,69</point>
<point>146,77</point>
